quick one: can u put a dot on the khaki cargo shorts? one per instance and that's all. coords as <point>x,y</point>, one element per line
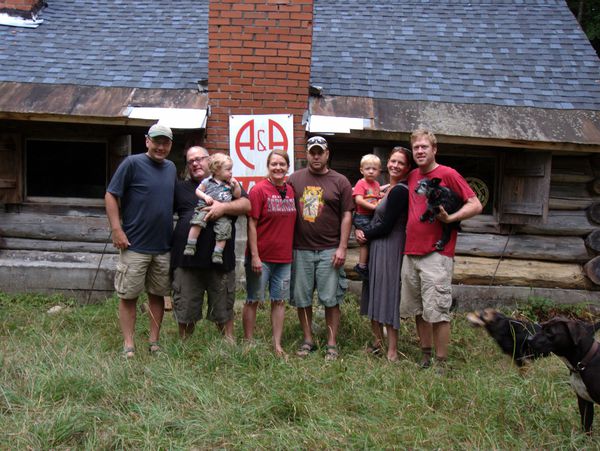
<point>137,273</point>
<point>427,287</point>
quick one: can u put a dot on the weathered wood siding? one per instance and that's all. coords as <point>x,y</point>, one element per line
<point>52,248</point>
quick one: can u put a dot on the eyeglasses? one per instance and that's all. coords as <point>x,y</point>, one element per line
<point>196,160</point>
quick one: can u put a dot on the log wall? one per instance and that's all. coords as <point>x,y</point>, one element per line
<point>50,248</point>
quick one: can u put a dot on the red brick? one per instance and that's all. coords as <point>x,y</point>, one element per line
<point>231,14</point>
<point>243,7</point>
<point>253,44</point>
<point>265,37</point>
<point>292,53</point>
<point>276,60</point>
<point>266,52</point>
<point>231,58</point>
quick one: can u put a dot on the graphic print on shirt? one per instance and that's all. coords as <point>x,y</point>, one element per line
<point>275,204</point>
<point>312,203</point>
<point>226,194</point>
<point>371,197</point>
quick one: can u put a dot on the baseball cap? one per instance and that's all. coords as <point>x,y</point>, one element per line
<point>316,141</point>
<point>160,130</point>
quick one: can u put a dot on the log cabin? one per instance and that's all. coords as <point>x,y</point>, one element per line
<point>511,89</point>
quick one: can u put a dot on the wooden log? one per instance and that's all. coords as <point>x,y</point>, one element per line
<point>73,274</point>
<point>57,246</point>
<point>592,241</point>
<point>556,203</point>
<point>478,297</point>
<point>67,209</point>
<point>593,213</point>
<point>594,187</point>
<point>528,273</point>
<point>592,270</point>
<point>482,224</point>
<point>524,247</point>
<point>569,196</point>
<point>49,227</point>
<point>571,169</point>
<point>561,223</point>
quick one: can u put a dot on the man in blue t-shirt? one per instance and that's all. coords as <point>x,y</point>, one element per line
<point>139,206</point>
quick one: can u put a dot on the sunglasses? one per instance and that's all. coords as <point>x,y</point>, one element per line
<point>316,140</point>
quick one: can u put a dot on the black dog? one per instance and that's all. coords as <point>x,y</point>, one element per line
<point>573,341</point>
<point>439,196</point>
<point>511,334</point>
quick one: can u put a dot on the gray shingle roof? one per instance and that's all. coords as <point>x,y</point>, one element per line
<point>111,43</point>
<point>502,52</point>
<point>528,53</point>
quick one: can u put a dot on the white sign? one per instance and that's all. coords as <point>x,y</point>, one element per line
<point>252,138</point>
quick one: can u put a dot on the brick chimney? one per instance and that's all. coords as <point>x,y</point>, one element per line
<point>259,63</point>
<point>26,9</point>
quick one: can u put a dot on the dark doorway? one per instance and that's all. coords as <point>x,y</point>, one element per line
<point>65,169</point>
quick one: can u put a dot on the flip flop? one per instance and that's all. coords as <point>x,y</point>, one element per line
<point>154,347</point>
<point>305,349</point>
<point>374,350</point>
<point>128,353</point>
<point>331,353</point>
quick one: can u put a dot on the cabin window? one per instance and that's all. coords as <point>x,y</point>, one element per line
<point>65,169</point>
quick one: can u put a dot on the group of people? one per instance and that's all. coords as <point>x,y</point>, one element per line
<point>298,232</point>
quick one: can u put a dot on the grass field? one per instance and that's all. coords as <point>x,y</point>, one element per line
<point>64,384</point>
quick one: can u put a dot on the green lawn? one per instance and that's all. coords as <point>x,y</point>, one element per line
<point>64,384</point>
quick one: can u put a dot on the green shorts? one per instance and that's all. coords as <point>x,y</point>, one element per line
<point>427,287</point>
<point>313,270</point>
<point>138,272</point>
<point>189,287</point>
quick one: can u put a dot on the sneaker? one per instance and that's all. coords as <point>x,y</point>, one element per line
<point>189,250</point>
<point>217,257</point>
<point>362,271</point>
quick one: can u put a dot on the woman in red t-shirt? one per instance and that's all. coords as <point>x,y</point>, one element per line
<point>269,251</point>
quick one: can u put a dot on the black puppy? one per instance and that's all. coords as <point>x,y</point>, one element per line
<point>511,334</point>
<point>573,341</point>
<point>439,196</point>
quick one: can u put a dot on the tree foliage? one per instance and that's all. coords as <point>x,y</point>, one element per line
<point>587,13</point>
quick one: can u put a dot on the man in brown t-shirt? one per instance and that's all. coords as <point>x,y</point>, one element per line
<point>324,204</point>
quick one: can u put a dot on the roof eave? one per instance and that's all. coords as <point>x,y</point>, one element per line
<point>89,104</point>
<point>571,130</point>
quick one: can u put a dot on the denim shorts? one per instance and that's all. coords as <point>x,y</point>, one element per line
<point>314,270</point>
<point>274,275</point>
<point>361,222</point>
<point>427,287</point>
<point>137,272</point>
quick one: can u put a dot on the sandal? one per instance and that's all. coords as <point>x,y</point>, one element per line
<point>331,353</point>
<point>154,347</point>
<point>374,349</point>
<point>305,349</point>
<point>128,353</point>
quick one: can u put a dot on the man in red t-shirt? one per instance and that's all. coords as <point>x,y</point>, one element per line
<point>427,273</point>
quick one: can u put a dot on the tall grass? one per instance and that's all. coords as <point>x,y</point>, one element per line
<point>64,384</point>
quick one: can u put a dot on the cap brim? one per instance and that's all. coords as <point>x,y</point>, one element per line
<point>157,135</point>
<point>320,146</point>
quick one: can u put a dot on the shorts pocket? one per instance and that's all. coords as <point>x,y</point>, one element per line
<point>444,299</point>
<point>120,277</point>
